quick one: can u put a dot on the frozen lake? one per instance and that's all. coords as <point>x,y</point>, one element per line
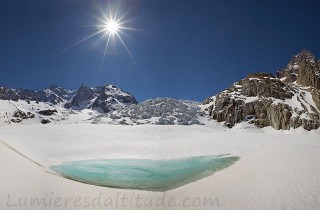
<point>143,174</point>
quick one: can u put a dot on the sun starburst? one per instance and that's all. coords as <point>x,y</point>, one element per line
<point>111,26</point>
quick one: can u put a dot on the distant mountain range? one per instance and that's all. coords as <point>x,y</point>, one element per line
<point>288,100</point>
<point>106,98</point>
<point>104,104</point>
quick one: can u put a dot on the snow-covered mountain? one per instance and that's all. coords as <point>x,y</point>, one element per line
<point>104,98</point>
<point>58,104</point>
<point>290,100</point>
<point>53,94</point>
<point>111,98</point>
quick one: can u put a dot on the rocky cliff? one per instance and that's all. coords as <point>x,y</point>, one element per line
<point>289,100</point>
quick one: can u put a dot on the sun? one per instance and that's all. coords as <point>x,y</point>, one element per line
<point>112,27</point>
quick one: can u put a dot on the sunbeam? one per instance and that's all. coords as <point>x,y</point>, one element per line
<point>110,26</point>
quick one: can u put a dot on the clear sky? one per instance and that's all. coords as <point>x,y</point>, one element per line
<point>185,49</point>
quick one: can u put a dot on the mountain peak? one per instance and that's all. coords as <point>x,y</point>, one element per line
<point>260,75</point>
<point>111,86</point>
<point>52,87</point>
<point>304,57</point>
<point>303,69</point>
<point>300,60</point>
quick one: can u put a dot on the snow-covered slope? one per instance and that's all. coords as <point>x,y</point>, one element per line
<point>276,171</point>
<point>23,112</point>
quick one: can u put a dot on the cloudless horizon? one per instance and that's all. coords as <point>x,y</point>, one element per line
<point>183,49</point>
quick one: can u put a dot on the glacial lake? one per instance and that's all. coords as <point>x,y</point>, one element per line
<point>143,174</point>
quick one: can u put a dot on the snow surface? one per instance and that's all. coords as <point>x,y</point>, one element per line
<point>8,108</point>
<point>276,170</point>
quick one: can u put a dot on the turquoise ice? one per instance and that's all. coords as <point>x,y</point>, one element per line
<point>143,174</point>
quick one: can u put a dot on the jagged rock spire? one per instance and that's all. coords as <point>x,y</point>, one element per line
<point>303,69</point>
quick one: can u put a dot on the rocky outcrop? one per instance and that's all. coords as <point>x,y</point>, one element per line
<point>302,69</point>
<point>252,97</point>
<point>82,97</point>
<point>308,77</point>
<point>19,115</point>
<point>264,100</point>
<point>48,112</point>
<point>45,121</point>
<point>264,85</point>
<point>111,98</point>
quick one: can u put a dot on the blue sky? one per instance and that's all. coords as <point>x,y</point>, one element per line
<point>185,49</point>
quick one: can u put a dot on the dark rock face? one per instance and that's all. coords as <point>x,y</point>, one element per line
<point>82,97</point>
<point>45,121</point>
<point>19,115</point>
<point>111,98</point>
<point>279,102</point>
<point>48,112</point>
<point>308,77</point>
